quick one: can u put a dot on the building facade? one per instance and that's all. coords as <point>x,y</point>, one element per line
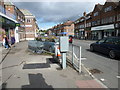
<point>21,20</point>
<point>108,16</point>
<point>7,21</point>
<point>63,29</point>
<point>103,21</point>
<point>30,25</point>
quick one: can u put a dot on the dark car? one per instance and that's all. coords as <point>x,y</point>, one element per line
<point>109,46</point>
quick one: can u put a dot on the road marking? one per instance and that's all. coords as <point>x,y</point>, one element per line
<point>83,58</point>
<point>118,76</point>
<point>102,79</point>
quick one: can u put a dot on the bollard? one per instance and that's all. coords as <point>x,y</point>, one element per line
<point>63,60</point>
<point>73,54</point>
<point>80,60</point>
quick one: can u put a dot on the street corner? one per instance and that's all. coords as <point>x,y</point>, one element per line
<point>90,84</point>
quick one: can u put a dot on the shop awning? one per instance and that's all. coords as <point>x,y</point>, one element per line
<point>3,15</point>
<point>63,32</point>
<point>104,27</point>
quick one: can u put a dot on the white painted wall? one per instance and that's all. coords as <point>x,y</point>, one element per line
<point>16,35</point>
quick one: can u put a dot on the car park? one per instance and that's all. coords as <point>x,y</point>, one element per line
<point>109,46</point>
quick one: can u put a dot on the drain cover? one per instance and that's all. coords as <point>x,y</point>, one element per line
<point>95,71</point>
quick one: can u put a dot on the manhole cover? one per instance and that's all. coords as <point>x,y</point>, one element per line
<point>95,71</point>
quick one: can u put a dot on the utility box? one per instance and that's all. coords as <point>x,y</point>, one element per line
<point>64,44</point>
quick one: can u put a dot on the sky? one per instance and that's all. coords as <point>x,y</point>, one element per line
<point>51,13</point>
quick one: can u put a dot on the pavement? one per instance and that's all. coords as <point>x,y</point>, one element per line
<point>23,69</point>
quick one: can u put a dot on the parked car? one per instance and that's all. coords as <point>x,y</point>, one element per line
<point>49,45</point>
<point>109,46</point>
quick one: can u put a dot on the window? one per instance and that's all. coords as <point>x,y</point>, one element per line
<point>28,20</point>
<point>108,9</point>
<point>109,41</point>
<point>113,19</point>
<point>110,19</point>
<point>98,22</point>
<point>118,17</point>
<point>101,41</point>
<point>96,14</point>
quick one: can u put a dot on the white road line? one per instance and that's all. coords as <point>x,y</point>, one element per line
<point>118,76</point>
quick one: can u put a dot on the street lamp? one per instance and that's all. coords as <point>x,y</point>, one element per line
<point>85,33</point>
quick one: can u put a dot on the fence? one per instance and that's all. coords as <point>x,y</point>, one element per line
<point>74,56</point>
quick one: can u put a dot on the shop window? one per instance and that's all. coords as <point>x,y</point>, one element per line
<point>118,17</point>
<point>113,19</point>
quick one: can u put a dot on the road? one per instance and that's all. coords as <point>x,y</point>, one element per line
<point>94,60</point>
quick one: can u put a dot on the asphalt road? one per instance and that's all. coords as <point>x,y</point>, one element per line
<point>108,67</point>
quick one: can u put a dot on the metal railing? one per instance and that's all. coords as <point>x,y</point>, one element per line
<point>74,57</point>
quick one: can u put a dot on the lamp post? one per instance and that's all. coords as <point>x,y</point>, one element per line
<point>85,33</point>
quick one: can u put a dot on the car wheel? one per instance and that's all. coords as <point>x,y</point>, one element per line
<point>112,54</point>
<point>91,48</point>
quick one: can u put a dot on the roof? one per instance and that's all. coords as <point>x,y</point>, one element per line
<point>114,1</point>
<point>68,22</point>
<point>99,6</point>
<point>26,12</point>
<point>7,2</point>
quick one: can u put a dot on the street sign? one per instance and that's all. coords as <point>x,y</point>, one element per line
<point>17,24</point>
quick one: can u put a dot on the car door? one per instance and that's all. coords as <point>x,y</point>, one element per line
<point>105,47</point>
<point>98,45</point>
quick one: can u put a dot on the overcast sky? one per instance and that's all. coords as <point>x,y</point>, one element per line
<point>49,14</point>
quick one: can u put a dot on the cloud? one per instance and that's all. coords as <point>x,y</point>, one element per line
<point>56,12</point>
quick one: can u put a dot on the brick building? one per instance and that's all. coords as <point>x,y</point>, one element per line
<point>21,20</point>
<point>68,28</point>
<point>96,20</point>
<point>108,16</point>
<point>65,29</point>
<point>30,24</point>
<point>2,31</point>
<point>102,22</point>
<point>117,23</point>
<point>7,19</point>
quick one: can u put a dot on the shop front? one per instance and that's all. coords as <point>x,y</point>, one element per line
<point>100,32</point>
<point>8,27</point>
<point>117,29</point>
<point>81,34</point>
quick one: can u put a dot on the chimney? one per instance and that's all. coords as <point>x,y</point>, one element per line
<point>84,14</point>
